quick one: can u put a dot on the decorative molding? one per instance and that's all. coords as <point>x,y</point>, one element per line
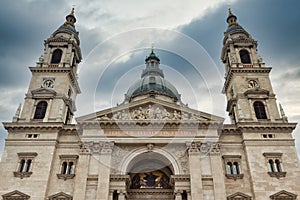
<point>27,154</point>
<point>277,174</point>
<point>232,157</point>
<point>150,192</point>
<point>60,196</point>
<point>150,113</point>
<point>234,176</point>
<point>179,178</point>
<point>272,154</point>
<point>22,175</point>
<point>65,176</point>
<point>15,195</point>
<point>239,196</point>
<point>206,147</point>
<point>97,147</point>
<point>68,157</point>
<point>283,195</point>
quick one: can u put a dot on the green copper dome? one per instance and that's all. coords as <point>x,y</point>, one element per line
<point>152,82</point>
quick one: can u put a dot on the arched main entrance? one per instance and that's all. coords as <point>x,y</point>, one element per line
<point>150,175</point>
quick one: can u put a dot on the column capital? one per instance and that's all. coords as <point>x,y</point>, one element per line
<point>92,147</point>
<point>178,192</point>
<point>193,147</point>
<point>215,149</point>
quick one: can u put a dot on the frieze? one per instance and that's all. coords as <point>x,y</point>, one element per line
<point>150,133</point>
<point>150,113</point>
<point>96,147</point>
<point>203,147</point>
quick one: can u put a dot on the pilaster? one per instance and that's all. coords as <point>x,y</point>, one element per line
<point>195,172</point>
<point>81,174</point>
<point>104,170</point>
<point>217,169</point>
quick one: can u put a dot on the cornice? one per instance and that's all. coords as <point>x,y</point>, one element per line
<point>33,126</point>
<point>266,127</point>
<point>233,71</point>
<point>152,124</point>
<point>41,126</point>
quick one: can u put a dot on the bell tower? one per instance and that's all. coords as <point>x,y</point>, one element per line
<point>54,87</point>
<point>250,97</point>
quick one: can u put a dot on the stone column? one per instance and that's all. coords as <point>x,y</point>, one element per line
<point>121,195</point>
<point>110,195</point>
<point>217,169</point>
<point>178,195</point>
<point>81,173</point>
<point>104,170</point>
<point>195,172</point>
<point>189,197</point>
<point>48,111</point>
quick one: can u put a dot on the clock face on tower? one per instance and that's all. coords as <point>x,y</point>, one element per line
<point>48,83</point>
<point>253,84</point>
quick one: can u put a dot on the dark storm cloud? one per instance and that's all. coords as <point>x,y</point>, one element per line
<point>25,24</point>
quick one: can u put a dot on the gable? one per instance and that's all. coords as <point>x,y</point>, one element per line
<point>43,93</point>
<point>15,195</point>
<point>153,110</point>
<point>239,196</point>
<point>60,196</point>
<point>283,195</point>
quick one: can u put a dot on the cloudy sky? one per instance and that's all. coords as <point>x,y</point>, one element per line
<point>116,36</point>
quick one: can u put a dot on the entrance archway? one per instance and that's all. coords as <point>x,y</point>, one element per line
<point>150,175</point>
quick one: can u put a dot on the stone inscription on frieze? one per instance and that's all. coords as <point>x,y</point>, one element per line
<point>149,133</point>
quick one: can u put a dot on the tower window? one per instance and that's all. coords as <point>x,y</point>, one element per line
<point>40,110</point>
<point>274,165</point>
<point>245,57</point>
<point>67,167</point>
<point>24,168</point>
<point>232,163</point>
<point>56,56</point>
<point>260,110</point>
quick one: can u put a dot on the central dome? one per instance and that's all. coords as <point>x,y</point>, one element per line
<point>152,84</point>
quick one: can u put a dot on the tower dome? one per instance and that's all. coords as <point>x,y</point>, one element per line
<point>152,83</point>
<point>68,29</point>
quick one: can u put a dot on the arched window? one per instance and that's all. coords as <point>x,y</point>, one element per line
<point>229,168</point>
<point>64,167</point>
<point>71,167</point>
<point>277,164</point>
<point>271,165</point>
<point>28,165</point>
<point>259,109</point>
<point>22,165</point>
<point>236,168</point>
<point>56,56</point>
<point>245,57</point>
<point>40,110</point>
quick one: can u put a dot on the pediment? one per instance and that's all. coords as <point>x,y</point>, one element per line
<point>152,110</point>
<point>283,195</point>
<point>257,91</point>
<point>15,195</point>
<point>43,92</point>
<point>60,196</point>
<point>239,196</point>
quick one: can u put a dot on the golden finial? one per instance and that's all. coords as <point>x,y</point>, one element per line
<point>229,11</point>
<point>73,10</point>
<point>152,48</point>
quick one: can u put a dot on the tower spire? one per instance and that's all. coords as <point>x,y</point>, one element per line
<point>231,19</point>
<point>71,19</point>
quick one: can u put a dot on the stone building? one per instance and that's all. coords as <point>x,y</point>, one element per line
<point>152,146</point>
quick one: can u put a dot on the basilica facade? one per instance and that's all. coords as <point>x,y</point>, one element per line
<point>151,146</point>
